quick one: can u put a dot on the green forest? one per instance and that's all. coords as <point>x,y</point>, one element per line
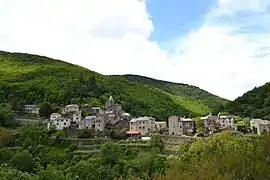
<point>33,153</point>
<point>31,79</point>
<point>254,103</point>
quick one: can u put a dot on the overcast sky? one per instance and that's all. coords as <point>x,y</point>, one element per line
<point>218,45</point>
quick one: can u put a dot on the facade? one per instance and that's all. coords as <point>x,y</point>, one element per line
<point>226,122</point>
<point>181,126</point>
<point>160,125</point>
<point>144,125</point>
<point>216,123</point>
<point>61,122</point>
<point>210,123</point>
<point>70,108</point>
<point>93,122</point>
<point>112,108</point>
<point>76,116</point>
<point>95,110</point>
<point>31,109</point>
<point>54,116</point>
<point>118,124</point>
<point>126,116</point>
<point>260,126</point>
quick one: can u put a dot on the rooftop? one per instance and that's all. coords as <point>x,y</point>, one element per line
<point>30,105</point>
<point>90,117</point>
<point>111,98</point>
<point>133,132</point>
<point>55,114</point>
<point>145,118</point>
<point>160,122</point>
<point>125,114</point>
<point>186,119</point>
<point>72,105</point>
<point>260,121</point>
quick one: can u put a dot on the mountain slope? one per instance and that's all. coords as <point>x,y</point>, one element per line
<point>30,79</point>
<point>183,90</point>
<point>254,103</point>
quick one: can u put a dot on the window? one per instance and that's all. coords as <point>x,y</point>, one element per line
<point>130,127</point>
<point>143,127</point>
<point>140,127</point>
<point>173,126</point>
<point>148,129</point>
<point>64,123</point>
<point>57,124</point>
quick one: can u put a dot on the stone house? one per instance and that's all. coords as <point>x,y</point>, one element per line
<point>60,123</point>
<point>31,109</point>
<point>126,116</point>
<point>96,111</point>
<point>210,124</point>
<point>181,125</point>
<point>217,123</point>
<point>97,123</point>
<point>259,126</point>
<point>112,108</point>
<point>117,124</point>
<point>226,122</point>
<point>159,125</point>
<point>144,125</point>
<point>76,116</point>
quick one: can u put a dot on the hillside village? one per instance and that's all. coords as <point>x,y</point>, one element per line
<point>113,117</point>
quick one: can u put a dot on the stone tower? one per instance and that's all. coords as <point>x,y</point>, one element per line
<point>109,105</point>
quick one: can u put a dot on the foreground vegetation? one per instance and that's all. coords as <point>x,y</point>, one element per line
<point>33,153</point>
<point>31,79</point>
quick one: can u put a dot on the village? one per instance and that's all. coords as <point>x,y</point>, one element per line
<point>113,117</point>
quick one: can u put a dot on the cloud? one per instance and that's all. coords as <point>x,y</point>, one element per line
<point>229,52</point>
<point>227,55</point>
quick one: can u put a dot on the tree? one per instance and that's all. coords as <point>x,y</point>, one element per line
<point>6,137</point>
<point>33,136</point>
<point>199,125</point>
<point>6,119</point>
<point>23,161</point>
<point>46,110</point>
<point>110,153</point>
<point>156,143</point>
<point>51,173</point>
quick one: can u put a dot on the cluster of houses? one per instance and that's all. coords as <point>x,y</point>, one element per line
<point>71,116</point>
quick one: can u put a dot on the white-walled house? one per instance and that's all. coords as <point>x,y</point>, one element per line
<point>31,109</point>
<point>259,126</point>
<point>54,116</point>
<point>77,116</point>
<point>61,122</point>
<point>70,108</point>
